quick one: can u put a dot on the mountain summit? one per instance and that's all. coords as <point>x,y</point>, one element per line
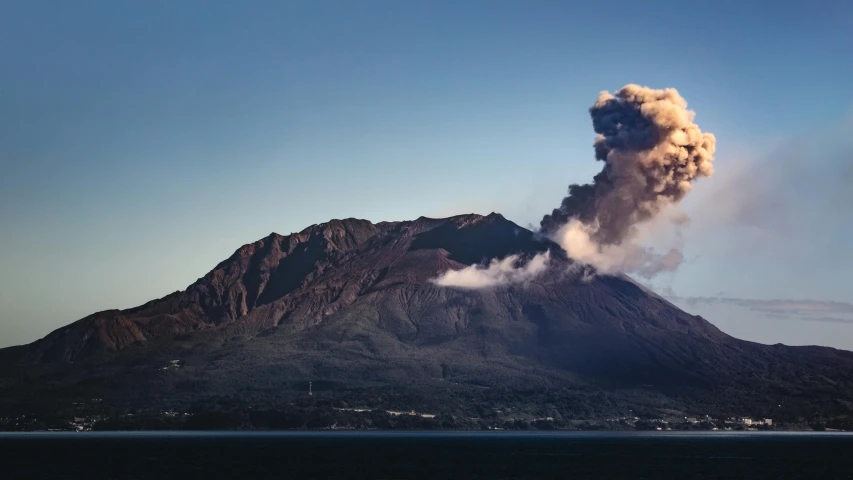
<point>352,306</point>
<point>297,281</point>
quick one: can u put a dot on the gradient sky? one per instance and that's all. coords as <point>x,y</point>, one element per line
<point>143,142</point>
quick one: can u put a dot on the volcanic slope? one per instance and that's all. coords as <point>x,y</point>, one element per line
<point>351,306</point>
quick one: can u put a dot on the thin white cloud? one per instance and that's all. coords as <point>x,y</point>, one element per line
<point>810,310</point>
<point>498,272</point>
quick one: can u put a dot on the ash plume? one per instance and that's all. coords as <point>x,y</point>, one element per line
<point>652,152</point>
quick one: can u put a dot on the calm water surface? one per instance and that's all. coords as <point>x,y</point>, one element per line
<point>404,455</point>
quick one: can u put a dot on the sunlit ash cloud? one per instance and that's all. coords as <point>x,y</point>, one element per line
<point>652,153</point>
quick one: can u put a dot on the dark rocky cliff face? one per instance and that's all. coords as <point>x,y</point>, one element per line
<point>350,301</point>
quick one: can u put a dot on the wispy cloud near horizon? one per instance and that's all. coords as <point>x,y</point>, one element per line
<point>796,309</point>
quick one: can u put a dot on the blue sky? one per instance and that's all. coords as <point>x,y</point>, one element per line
<point>143,142</point>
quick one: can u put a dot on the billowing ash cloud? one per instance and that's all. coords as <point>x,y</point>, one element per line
<point>499,272</point>
<point>652,152</point>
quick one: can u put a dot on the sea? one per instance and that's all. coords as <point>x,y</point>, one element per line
<point>434,455</point>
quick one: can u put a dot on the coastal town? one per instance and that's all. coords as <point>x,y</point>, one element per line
<point>364,418</point>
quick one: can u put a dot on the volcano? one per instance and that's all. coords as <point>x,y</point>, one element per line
<point>351,306</point>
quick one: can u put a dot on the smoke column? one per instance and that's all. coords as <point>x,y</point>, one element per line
<point>652,152</point>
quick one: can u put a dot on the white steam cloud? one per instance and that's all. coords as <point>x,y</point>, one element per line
<point>498,272</point>
<point>577,239</point>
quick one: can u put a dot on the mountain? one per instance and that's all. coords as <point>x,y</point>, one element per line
<point>351,306</point>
